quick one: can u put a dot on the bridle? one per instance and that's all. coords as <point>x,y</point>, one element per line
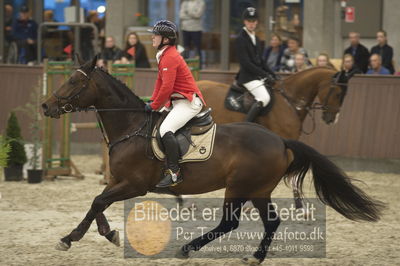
<point>310,109</point>
<point>68,107</point>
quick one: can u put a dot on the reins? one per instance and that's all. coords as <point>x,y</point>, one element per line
<point>310,110</point>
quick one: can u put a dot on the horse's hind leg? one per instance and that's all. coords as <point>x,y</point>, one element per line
<point>121,191</point>
<point>271,222</point>
<point>230,221</point>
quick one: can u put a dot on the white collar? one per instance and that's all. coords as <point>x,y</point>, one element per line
<point>159,53</point>
<point>251,35</point>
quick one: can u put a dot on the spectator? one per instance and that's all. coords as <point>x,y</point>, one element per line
<point>24,31</point>
<point>287,61</point>
<point>273,53</point>
<point>384,50</point>
<point>9,52</point>
<point>324,61</point>
<point>110,53</point>
<point>135,51</point>
<point>300,63</point>
<point>49,31</point>
<point>190,14</point>
<point>376,66</point>
<point>348,69</point>
<point>358,51</point>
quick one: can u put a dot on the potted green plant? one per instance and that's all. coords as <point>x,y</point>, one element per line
<point>4,150</point>
<point>16,155</point>
<point>32,109</point>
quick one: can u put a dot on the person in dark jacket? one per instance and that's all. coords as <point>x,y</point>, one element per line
<point>273,53</point>
<point>135,51</point>
<point>253,71</point>
<point>24,32</point>
<point>384,50</point>
<point>110,53</point>
<point>358,51</point>
<point>347,71</point>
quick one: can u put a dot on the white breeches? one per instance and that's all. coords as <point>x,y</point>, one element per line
<point>258,90</point>
<point>182,111</point>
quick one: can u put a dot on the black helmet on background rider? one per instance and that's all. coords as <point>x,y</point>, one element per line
<point>250,13</point>
<point>166,29</point>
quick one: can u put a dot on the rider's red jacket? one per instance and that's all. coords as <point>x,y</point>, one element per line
<point>174,76</point>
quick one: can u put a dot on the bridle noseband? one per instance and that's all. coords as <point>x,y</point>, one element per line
<point>68,107</point>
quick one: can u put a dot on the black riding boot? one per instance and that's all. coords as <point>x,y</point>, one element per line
<point>172,173</point>
<point>255,109</point>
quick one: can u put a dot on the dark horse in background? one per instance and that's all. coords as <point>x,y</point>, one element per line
<point>294,98</point>
<point>249,168</point>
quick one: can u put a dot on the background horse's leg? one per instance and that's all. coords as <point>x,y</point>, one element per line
<point>230,221</point>
<point>120,191</point>
<point>271,222</point>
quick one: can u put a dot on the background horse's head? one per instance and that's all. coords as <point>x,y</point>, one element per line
<point>331,99</point>
<point>77,92</point>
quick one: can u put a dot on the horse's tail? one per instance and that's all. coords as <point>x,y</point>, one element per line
<point>332,185</point>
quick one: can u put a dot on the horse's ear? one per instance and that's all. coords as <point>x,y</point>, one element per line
<point>93,64</point>
<point>80,60</point>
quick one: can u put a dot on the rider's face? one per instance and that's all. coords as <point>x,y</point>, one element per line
<point>251,25</point>
<point>156,40</point>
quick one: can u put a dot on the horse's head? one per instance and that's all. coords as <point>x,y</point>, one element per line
<point>77,92</point>
<point>331,98</point>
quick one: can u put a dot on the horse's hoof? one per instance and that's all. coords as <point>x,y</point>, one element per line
<point>250,260</point>
<point>62,246</point>
<point>180,254</point>
<point>113,237</point>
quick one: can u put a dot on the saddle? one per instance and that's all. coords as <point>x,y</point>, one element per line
<point>195,138</point>
<point>239,99</point>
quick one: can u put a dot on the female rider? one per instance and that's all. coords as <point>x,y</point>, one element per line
<point>175,88</point>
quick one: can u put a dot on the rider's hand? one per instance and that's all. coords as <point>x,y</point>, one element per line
<point>147,108</point>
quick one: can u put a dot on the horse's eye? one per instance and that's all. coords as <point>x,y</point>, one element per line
<point>72,82</point>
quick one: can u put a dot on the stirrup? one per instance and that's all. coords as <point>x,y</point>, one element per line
<point>170,178</point>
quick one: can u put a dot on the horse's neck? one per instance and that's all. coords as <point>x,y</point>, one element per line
<point>117,123</point>
<point>304,90</point>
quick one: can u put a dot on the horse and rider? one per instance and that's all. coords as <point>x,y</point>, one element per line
<point>249,168</point>
<point>176,88</point>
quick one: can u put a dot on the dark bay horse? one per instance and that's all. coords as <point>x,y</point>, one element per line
<point>294,99</point>
<point>249,168</point>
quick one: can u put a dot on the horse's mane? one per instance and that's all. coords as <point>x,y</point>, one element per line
<point>307,71</point>
<point>127,93</point>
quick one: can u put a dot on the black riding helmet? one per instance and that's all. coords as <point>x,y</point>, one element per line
<point>250,13</point>
<point>166,29</point>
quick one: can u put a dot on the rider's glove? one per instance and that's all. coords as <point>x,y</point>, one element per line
<point>148,108</point>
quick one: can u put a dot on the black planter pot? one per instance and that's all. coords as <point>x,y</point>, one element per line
<point>35,176</point>
<point>13,173</point>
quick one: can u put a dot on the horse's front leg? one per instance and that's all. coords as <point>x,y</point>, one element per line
<point>118,192</point>
<point>104,229</point>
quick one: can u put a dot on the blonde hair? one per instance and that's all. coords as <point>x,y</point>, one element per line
<point>329,63</point>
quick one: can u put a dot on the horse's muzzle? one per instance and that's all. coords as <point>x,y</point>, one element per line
<point>50,112</point>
